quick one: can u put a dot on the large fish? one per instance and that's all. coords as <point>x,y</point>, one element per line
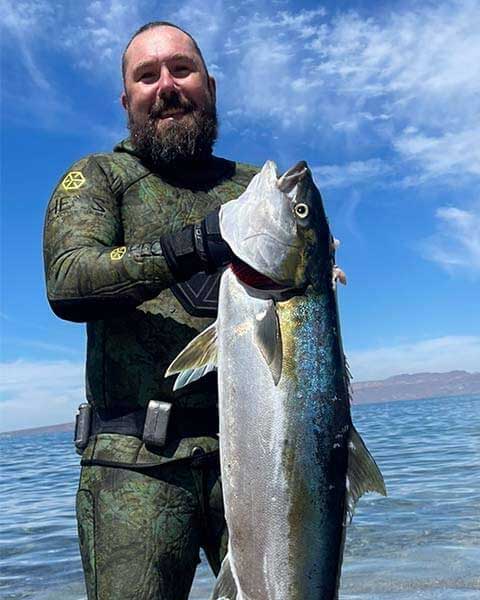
<point>292,463</point>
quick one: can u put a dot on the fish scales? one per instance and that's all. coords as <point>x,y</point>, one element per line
<point>292,463</point>
<point>319,412</point>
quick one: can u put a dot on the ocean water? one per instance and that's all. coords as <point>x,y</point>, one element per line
<point>422,542</point>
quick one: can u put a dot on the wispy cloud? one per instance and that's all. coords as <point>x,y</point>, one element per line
<point>43,40</point>
<point>94,35</point>
<point>208,24</point>
<point>435,355</point>
<point>351,173</point>
<point>99,33</point>
<point>450,154</point>
<point>402,80</point>
<point>39,393</point>
<point>374,78</point>
<point>22,22</point>
<point>456,244</point>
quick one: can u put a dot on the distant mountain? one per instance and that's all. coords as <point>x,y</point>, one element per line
<point>418,386</point>
<point>46,429</point>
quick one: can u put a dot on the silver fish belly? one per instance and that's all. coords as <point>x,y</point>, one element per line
<point>283,447</point>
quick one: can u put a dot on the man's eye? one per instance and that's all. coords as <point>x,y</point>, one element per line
<point>181,70</point>
<point>148,75</point>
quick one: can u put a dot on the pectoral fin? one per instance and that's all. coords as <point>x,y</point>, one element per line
<point>268,338</point>
<point>225,586</point>
<point>196,359</point>
<point>363,473</point>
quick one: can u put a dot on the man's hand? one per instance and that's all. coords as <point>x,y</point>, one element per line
<point>198,247</point>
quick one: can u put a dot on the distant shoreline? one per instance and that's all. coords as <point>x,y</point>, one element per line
<point>399,388</point>
<point>417,386</point>
<point>61,427</point>
<point>68,427</point>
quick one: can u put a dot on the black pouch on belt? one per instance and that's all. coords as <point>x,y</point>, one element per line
<point>149,423</point>
<point>156,423</point>
<point>83,424</point>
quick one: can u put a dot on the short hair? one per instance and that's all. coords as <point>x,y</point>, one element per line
<point>153,25</point>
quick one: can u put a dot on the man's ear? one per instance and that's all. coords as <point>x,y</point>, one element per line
<point>212,85</point>
<point>124,100</point>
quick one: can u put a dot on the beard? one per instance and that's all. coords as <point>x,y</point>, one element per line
<point>175,142</point>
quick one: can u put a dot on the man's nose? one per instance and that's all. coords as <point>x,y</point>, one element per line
<point>166,82</point>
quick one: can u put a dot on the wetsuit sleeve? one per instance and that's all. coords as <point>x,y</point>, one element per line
<point>90,274</point>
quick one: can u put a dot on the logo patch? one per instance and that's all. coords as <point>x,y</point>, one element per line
<point>118,253</point>
<point>73,180</point>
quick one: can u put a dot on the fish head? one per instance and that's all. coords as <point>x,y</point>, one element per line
<point>278,227</point>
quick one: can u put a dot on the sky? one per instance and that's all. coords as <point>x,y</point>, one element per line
<point>382,99</point>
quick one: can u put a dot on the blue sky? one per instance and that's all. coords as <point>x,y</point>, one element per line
<point>380,98</point>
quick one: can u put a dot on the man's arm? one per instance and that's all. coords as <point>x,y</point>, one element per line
<point>90,274</point>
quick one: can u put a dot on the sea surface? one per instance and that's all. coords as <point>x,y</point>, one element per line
<point>421,542</point>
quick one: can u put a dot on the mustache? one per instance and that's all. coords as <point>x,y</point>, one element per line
<point>174,101</point>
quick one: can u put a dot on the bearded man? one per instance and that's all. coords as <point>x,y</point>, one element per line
<point>132,247</point>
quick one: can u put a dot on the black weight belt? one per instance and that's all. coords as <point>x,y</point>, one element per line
<point>184,422</point>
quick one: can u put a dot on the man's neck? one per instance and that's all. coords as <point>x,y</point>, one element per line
<point>199,173</point>
<point>194,173</point>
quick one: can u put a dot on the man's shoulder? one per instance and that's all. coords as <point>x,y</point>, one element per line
<point>121,156</point>
<point>118,168</point>
<point>106,161</point>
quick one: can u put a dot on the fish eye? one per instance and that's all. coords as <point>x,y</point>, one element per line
<point>301,210</point>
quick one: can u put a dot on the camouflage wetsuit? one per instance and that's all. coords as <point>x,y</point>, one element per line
<point>143,512</point>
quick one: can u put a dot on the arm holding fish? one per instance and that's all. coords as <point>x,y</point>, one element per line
<point>91,274</point>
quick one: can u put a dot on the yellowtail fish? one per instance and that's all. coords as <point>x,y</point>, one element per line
<point>292,463</point>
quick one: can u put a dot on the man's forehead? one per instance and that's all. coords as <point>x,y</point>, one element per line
<point>162,41</point>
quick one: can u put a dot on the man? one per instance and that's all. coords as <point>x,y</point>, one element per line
<point>132,245</point>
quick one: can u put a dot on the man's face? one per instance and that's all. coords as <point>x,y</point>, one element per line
<point>169,98</point>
